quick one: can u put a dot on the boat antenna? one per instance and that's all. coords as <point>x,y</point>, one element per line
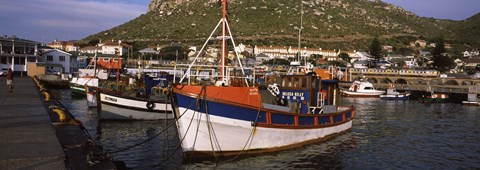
<point>300,32</point>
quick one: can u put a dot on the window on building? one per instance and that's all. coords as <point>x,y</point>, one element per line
<point>61,58</point>
<point>49,58</point>
<point>3,60</point>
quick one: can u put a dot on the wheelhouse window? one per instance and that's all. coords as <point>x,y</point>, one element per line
<point>296,82</point>
<point>304,82</point>
<point>289,81</point>
<point>313,82</point>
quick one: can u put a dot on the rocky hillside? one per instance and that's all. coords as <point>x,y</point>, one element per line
<point>345,24</point>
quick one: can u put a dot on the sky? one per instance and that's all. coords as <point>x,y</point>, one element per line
<point>47,20</point>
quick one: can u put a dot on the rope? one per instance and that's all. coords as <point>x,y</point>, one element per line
<point>183,137</point>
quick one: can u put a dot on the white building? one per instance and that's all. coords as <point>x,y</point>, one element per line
<point>16,52</point>
<point>58,57</point>
<point>361,56</point>
<point>110,47</point>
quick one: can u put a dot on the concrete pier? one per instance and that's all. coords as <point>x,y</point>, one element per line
<point>34,137</point>
<point>27,138</point>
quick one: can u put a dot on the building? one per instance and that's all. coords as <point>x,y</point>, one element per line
<point>279,52</point>
<point>112,47</point>
<point>15,53</point>
<point>64,45</point>
<point>67,61</point>
<point>91,49</point>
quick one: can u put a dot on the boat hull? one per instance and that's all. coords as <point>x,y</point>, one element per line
<point>394,97</point>
<point>228,129</point>
<point>121,108</point>
<point>362,94</point>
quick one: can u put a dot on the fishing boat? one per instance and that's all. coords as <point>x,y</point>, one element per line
<point>89,76</point>
<point>434,97</point>
<point>226,116</point>
<point>148,101</point>
<point>393,94</point>
<point>362,89</point>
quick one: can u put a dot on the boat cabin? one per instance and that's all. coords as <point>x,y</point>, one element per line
<point>307,93</point>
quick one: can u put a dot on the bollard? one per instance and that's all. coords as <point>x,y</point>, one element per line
<point>47,96</point>
<point>61,114</point>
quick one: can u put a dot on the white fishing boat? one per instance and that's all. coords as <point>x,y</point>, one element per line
<point>362,89</point>
<point>228,117</point>
<point>120,107</point>
<point>393,94</point>
<point>148,102</point>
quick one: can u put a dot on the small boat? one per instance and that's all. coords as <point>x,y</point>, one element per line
<point>149,103</point>
<point>392,94</point>
<point>225,116</point>
<point>434,98</point>
<point>362,89</point>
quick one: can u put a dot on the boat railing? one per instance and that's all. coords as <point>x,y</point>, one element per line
<point>319,105</point>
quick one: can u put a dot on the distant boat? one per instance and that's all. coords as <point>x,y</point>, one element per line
<point>434,97</point>
<point>362,89</point>
<point>392,94</point>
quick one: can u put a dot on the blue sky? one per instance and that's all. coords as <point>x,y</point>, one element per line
<point>47,20</point>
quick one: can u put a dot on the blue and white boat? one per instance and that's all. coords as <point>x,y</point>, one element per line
<point>227,117</point>
<point>393,94</point>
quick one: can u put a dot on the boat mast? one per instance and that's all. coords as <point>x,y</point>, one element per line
<point>224,42</point>
<point>95,62</point>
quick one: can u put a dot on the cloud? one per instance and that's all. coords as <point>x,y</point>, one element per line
<point>80,17</point>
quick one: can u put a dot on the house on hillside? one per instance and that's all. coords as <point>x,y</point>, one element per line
<point>112,47</point>
<point>421,43</point>
<point>260,58</point>
<point>361,56</point>
<point>471,62</point>
<point>469,54</point>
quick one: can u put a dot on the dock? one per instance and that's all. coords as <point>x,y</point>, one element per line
<point>32,137</point>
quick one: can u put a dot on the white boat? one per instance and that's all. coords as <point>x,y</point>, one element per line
<point>362,89</point>
<point>393,94</point>
<point>120,107</point>
<point>228,118</point>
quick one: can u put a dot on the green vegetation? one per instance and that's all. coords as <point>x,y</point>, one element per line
<point>328,24</point>
<point>440,59</point>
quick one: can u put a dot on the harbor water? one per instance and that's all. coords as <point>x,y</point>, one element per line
<point>385,135</point>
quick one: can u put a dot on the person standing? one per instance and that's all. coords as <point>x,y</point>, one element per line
<point>10,79</point>
<point>339,74</point>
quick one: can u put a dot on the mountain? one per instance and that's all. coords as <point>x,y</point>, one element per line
<point>330,24</point>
